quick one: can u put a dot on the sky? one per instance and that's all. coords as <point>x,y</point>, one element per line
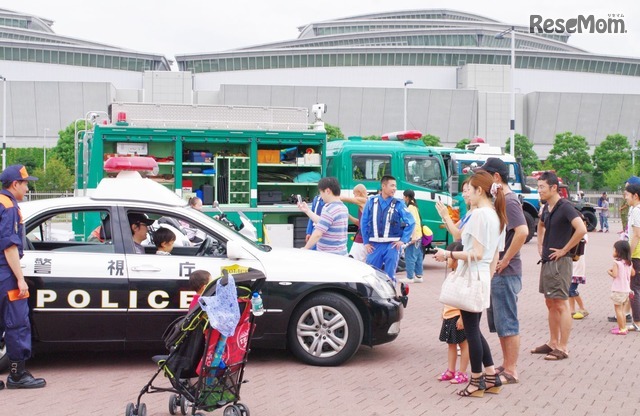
<point>200,26</point>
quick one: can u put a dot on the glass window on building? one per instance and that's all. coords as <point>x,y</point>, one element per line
<point>370,167</point>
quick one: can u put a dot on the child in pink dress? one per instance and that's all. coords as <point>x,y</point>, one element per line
<point>452,332</point>
<point>621,272</point>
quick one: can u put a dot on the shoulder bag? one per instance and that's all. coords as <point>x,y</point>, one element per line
<point>464,289</point>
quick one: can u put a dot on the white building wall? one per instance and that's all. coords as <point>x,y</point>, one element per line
<point>366,77</point>
<point>32,71</point>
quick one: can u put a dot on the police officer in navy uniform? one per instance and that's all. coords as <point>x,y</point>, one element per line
<point>14,314</point>
<point>386,226</point>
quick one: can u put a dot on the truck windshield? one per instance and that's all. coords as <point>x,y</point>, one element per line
<point>424,171</point>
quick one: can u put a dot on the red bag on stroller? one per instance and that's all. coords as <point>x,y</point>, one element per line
<point>236,345</point>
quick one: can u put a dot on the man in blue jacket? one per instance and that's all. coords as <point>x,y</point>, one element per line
<point>386,225</point>
<point>14,309</point>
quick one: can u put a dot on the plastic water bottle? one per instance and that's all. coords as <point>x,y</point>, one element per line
<point>256,304</point>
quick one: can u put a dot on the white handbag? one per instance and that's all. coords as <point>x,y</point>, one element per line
<point>464,289</point>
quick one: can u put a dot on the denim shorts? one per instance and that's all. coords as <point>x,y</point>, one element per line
<point>504,305</point>
<point>573,290</point>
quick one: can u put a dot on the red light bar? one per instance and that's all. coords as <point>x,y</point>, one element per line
<point>136,163</point>
<point>122,117</point>
<point>403,135</point>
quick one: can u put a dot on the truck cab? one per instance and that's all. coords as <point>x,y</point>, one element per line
<point>463,163</point>
<point>415,166</point>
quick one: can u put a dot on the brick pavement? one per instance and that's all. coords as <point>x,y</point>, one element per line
<point>392,379</point>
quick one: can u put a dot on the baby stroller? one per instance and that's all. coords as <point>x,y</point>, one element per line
<point>204,367</point>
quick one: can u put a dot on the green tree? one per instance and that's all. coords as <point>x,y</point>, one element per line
<point>615,178</point>
<point>569,154</point>
<point>431,140</point>
<point>372,137</point>
<point>333,132</point>
<point>57,178</point>
<point>462,143</point>
<point>609,155</point>
<point>30,157</point>
<point>65,148</point>
<point>524,152</point>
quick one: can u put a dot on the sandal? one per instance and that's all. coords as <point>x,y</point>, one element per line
<point>618,331</point>
<point>507,378</point>
<point>542,349</point>
<point>556,355</point>
<point>477,382</point>
<point>446,376</point>
<point>499,369</point>
<point>496,383</point>
<point>460,378</point>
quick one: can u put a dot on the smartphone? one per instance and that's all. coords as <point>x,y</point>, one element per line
<point>15,295</point>
<point>299,199</point>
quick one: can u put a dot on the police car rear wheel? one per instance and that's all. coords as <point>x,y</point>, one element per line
<point>325,329</point>
<point>4,359</point>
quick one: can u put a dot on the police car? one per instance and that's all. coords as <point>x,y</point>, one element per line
<point>89,289</point>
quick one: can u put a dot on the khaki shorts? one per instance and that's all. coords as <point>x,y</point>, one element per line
<point>619,298</point>
<point>555,278</point>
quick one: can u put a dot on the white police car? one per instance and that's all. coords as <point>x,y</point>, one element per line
<point>90,290</point>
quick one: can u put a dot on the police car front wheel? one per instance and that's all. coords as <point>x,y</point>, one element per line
<point>326,330</point>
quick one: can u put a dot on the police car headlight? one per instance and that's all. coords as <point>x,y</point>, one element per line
<point>381,284</point>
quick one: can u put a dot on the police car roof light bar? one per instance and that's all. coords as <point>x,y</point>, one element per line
<point>403,135</point>
<point>132,163</point>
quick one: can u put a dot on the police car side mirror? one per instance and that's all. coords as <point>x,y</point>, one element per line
<point>236,251</point>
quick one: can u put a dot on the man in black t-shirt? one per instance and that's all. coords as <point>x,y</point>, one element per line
<point>559,230</point>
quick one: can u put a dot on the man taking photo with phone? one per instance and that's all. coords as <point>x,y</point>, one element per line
<point>330,231</point>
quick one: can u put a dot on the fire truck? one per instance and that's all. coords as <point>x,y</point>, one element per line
<point>402,155</point>
<point>250,159</point>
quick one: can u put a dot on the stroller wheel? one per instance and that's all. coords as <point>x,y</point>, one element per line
<point>183,405</point>
<point>142,410</point>
<point>129,410</point>
<point>244,410</point>
<point>232,410</point>
<point>174,399</point>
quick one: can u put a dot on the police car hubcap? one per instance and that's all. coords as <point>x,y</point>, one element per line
<point>322,331</point>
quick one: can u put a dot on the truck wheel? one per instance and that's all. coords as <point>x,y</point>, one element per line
<point>531,223</point>
<point>592,220</point>
<point>325,329</point>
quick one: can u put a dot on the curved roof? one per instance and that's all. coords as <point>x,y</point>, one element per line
<point>425,37</point>
<point>30,38</point>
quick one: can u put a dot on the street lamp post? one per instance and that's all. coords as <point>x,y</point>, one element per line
<point>44,149</point>
<point>4,122</point>
<point>512,124</point>
<point>407,82</point>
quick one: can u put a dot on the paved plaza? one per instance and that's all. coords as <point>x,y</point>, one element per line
<point>600,377</point>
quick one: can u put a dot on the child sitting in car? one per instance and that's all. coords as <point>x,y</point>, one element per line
<point>164,239</point>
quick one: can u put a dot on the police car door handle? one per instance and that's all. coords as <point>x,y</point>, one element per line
<point>145,269</point>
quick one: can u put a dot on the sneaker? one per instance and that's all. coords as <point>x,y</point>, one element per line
<point>633,327</point>
<point>418,279</point>
<point>618,331</point>
<point>613,318</point>
<point>577,315</point>
<point>405,280</point>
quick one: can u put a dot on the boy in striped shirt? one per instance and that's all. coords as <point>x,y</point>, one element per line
<point>330,227</point>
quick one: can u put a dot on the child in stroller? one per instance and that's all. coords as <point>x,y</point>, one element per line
<point>206,369</point>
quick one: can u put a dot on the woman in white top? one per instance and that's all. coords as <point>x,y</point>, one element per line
<point>482,238</point>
